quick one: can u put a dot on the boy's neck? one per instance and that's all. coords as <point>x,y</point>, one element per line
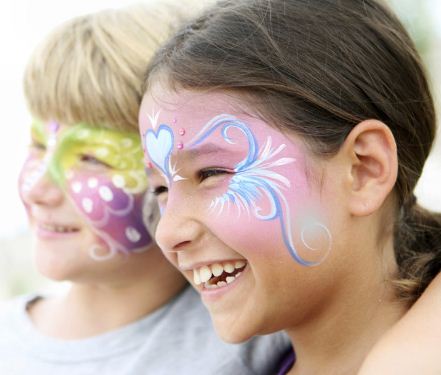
<point>95,308</point>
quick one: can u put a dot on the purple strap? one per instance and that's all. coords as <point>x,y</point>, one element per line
<point>287,363</point>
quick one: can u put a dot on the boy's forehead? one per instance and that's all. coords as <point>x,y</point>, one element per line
<point>81,131</point>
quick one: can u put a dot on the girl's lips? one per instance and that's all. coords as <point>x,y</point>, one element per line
<point>211,293</point>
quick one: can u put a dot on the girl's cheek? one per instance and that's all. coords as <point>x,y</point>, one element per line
<point>266,222</point>
<point>115,214</point>
<point>238,227</point>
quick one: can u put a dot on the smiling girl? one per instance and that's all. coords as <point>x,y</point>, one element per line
<point>284,140</point>
<point>127,309</point>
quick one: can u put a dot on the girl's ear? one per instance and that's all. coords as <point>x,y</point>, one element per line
<point>371,155</point>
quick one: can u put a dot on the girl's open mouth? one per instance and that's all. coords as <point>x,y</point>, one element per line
<point>218,275</point>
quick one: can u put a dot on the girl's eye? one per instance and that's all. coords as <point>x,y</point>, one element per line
<point>92,160</point>
<point>213,172</point>
<point>157,191</point>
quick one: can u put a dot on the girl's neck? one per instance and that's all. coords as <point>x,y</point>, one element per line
<point>335,340</point>
<point>96,308</point>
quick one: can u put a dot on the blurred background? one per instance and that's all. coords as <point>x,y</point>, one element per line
<point>24,23</point>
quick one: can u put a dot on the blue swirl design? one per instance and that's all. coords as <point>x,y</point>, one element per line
<point>254,179</point>
<point>159,146</point>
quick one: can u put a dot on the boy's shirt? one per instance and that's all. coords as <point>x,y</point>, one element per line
<point>175,339</point>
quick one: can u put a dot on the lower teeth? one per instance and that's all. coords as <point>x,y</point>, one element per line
<point>220,284</point>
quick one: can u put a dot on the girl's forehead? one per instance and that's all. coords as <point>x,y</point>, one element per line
<point>186,113</point>
<point>188,107</point>
<point>216,127</point>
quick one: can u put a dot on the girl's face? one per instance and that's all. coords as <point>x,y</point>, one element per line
<point>83,188</point>
<point>242,213</point>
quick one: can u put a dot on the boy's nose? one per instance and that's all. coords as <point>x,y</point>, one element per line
<point>43,191</point>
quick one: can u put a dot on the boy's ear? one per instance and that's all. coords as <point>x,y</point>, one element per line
<point>371,155</point>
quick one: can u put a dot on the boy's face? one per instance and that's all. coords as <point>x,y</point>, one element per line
<point>84,188</point>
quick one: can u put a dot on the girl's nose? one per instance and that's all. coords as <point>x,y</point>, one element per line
<point>178,229</point>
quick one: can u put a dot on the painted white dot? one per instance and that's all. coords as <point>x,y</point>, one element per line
<point>102,152</point>
<point>92,182</point>
<point>105,193</point>
<point>76,187</point>
<point>127,142</point>
<point>87,205</point>
<point>119,181</point>
<point>132,234</point>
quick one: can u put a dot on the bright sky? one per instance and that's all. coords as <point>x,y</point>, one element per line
<point>23,24</point>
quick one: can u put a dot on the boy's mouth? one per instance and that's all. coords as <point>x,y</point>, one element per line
<point>218,275</point>
<point>57,228</point>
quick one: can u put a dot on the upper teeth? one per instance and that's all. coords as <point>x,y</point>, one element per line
<point>57,228</point>
<point>204,273</point>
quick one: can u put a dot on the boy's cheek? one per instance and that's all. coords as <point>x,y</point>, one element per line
<point>115,214</point>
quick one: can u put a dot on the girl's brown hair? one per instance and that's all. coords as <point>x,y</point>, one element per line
<point>319,68</point>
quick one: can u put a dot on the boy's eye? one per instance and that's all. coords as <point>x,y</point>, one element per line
<point>212,172</point>
<point>92,160</point>
<point>157,191</point>
<point>37,145</point>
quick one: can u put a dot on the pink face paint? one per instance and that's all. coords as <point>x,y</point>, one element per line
<point>263,194</point>
<point>111,197</point>
<point>115,215</point>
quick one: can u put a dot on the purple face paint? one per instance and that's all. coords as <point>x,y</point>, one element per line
<point>115,215</point>
<point>102,173</point>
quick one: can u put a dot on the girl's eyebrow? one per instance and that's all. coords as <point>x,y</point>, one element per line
<point>206,149</point>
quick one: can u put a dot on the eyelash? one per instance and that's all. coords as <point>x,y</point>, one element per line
<point>212,172</point>
<point>37,145</point>
<point>159,190</point>
<point>202,175</point>
<point>85,158</point>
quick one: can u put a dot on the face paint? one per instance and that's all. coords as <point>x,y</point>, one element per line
<point>263,186</point>
<point>37,161</point>
<point>102,172</point>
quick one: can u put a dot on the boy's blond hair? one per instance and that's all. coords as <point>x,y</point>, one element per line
<point>91,69</point>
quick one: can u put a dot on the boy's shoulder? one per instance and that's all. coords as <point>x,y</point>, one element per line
<point>14,308</point>
<point>199,344</point>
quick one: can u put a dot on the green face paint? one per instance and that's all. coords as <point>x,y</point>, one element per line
<point>78,145</point>
<point>102,172</point>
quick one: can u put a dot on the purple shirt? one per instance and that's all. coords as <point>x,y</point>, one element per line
<point>287,362</point>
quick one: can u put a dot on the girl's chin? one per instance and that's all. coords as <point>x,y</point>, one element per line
<point>232,336</point>
<point>233,329</point>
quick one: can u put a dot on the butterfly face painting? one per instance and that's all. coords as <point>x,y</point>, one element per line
<point>245,180</point>
<point>101,172</point>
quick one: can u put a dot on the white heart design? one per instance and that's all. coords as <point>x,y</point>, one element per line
<point>159,146</point>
